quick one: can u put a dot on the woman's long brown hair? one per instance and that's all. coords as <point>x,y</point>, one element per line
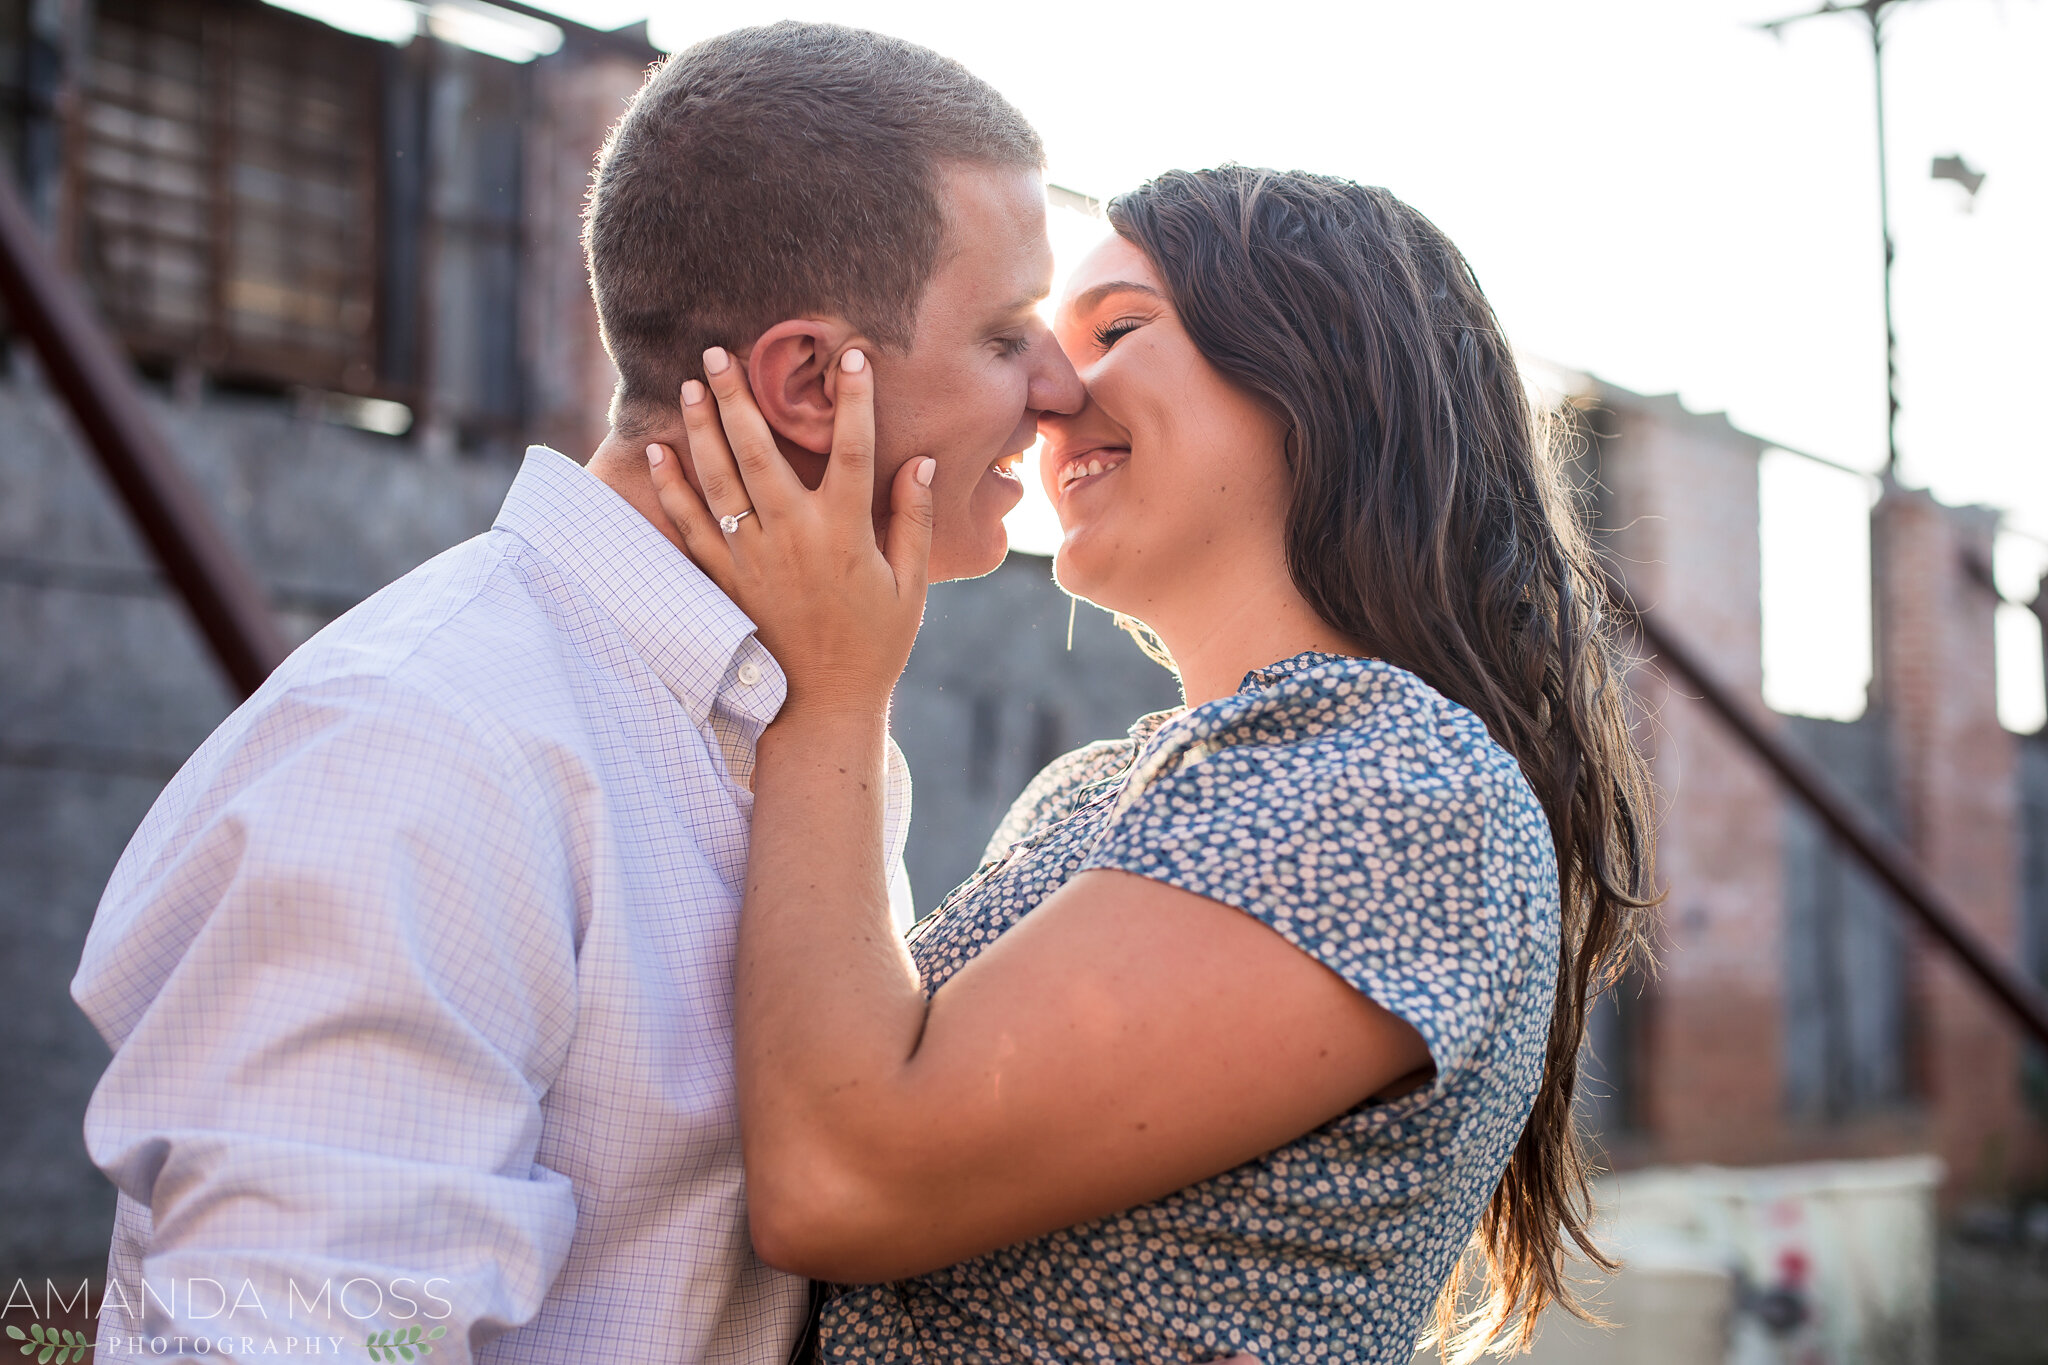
<point>1432,521</point>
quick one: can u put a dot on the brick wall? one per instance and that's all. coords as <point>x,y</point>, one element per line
<point>1678,503</point>
<point>1934,686</point>
<point>1725,1063</point>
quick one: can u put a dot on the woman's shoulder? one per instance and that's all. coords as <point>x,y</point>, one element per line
<point>1370,820</point>
<point>1069,780</point>
<point>1321,766</point>
<point>1352,722</point>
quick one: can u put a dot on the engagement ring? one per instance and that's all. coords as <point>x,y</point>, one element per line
<point>732,523</point>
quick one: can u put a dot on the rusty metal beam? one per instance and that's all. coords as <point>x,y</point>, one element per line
<point>1855,831</point>
<point>84,367</point>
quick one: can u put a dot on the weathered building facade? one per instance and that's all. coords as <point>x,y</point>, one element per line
<point>1797,1014</point>
<point>349,272</point>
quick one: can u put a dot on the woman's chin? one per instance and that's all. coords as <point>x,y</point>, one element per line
<point>1078,573</point>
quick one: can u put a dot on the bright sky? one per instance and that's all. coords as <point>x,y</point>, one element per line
<point>1654,193</point>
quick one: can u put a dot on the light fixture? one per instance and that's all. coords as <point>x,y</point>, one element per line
<point>475,24</point>
<point>1953,167</point>
<point>492,29</point>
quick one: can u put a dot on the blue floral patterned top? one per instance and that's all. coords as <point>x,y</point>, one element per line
<point>1378,827</point>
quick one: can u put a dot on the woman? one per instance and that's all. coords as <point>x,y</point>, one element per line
<point>1252,1018</point>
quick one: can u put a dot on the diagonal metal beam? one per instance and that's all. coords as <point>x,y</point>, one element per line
<point>2023,1000</point>
<point>84,367</point>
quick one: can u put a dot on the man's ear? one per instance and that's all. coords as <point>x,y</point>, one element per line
<point>793,370</point>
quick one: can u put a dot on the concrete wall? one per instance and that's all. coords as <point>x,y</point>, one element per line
<point>992,694</point>
<point>1846,1010</point>
<point>105,687</point>
<point>2033,766</point>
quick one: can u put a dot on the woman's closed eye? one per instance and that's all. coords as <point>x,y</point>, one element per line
<point>1108,334</point>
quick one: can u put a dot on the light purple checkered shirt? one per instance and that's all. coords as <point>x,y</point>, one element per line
<point>418,976</point>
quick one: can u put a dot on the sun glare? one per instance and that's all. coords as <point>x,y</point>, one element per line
<point>1034,528</point>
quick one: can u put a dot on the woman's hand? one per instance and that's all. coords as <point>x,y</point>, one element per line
<point>838,613</point>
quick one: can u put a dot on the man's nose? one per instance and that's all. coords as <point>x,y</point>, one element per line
<point>1055,387</point>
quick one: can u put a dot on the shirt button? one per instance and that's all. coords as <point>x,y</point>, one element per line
<point>750,674</point>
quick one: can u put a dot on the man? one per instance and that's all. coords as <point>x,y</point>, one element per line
<point>418,976</point>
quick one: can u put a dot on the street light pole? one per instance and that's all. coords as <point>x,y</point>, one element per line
<point>1873,12</point>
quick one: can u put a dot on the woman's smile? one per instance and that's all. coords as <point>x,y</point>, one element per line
<point>1085,467</point>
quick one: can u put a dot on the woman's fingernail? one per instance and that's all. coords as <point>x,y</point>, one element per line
<point>693,392</point>
<point>715,360</point>
<point>924,471</point>
<point>853,362</point>
<point>653,456</point>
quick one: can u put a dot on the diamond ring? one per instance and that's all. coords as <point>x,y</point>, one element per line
<point>732,523</point>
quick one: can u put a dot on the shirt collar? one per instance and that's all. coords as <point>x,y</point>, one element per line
<point>691,636</point>
<point>1265,677</point>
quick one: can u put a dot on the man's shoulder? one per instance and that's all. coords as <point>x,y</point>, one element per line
<point>461,618</point>
<point>462,654</point>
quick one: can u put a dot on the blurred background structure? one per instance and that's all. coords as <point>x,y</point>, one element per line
<point>342,274</point>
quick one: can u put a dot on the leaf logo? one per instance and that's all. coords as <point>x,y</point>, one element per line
<point>56,1345</point>
<point>403,1343</point>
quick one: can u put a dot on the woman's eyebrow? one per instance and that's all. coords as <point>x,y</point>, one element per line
<point>1089,298</point>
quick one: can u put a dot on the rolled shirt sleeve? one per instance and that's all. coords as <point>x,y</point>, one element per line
<point>338,970</point>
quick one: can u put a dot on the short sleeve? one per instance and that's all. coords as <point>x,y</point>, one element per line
<point>1058,787</point>
<point>338,984</point>
<point>1370,822</point>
